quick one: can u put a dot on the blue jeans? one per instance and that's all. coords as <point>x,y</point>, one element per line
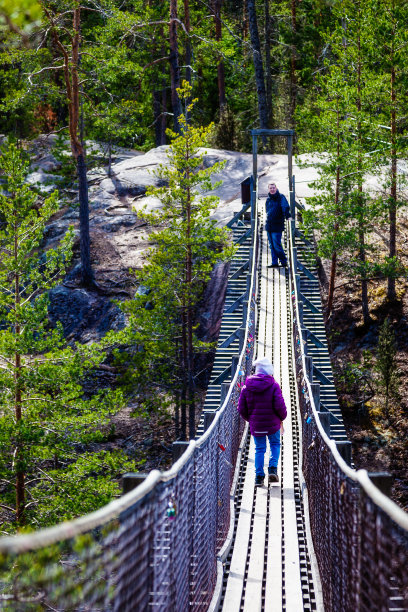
<point>275,242</point>
<point>260,448</point>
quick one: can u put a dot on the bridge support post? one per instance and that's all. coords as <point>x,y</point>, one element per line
<point>297,281</point>
<point>304,333</point>
<point>325,421</point>
<point>131,480</point>
<point>178,448</point>
<point>300,310</point>
<point>224,391</point>
<point>292,203</point>
<point>241,336</point>
<point>244,311</point>
<point>294,252</point>
<point>309,368</point>
<point>234,365</point>
<point>292,229</point>
<point>208,418</point>
<point>316,394</point>
<point>248,285</point>
<point>344,449</point>
<point>383,481</point>
<point>290,161</point>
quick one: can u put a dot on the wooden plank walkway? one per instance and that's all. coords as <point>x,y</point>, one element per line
<point>265,572</point>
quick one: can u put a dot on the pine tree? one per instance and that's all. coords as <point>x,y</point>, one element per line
<point>325,127</point>
<point>187,247</point>
<point>389,33</point>
<point>44,415</point>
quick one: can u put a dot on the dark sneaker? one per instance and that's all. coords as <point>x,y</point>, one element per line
<point>284,265</point>
<point>259,480</point>
<point>273,474</point>
<point>273,266</point>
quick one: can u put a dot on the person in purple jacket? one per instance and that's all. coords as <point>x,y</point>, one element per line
<point>261,404</point>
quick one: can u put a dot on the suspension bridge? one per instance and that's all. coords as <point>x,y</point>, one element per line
<point>201,535</point>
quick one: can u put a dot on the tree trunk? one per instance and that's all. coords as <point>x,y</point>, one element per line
<point>157,112</point>
<point>188,44</point>
<point>177,414</point>
<point>361,204</point>
<point>293,80</point>
<point>391,294</point>
<point>217,6</point>
<point>174,65</point>
<point>184,385</point>
<point>163,121</point>
<point>72,90</point>
<point>190,321</point>
<point>259,71</point>
<point>268,62</point>
<point>333,268</point>
<point>20,476</point>
<point>85,242</point>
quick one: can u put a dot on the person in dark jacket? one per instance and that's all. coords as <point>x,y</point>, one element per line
<point>277,210</point>
<point>261,404</point>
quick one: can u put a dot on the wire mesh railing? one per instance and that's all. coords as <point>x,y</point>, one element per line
<point>360,536</point>
<point>155,547</point>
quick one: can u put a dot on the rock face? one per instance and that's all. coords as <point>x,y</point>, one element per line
<point>119,238</point>
<point>84,315</point>
<point>212,304</point>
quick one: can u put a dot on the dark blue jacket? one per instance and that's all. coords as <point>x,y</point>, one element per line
<point>277,210</point>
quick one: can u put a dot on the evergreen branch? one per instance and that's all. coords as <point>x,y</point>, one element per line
<point>31,503</point>
<point>11,363</point>
<point>6,290</point>
<point>39,289</point>
<point>7,508</point>
<point>48,477</point>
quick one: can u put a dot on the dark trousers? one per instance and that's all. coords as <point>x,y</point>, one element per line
<point>275,242</point>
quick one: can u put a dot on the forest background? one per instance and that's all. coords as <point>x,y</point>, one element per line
<point>335,71</point>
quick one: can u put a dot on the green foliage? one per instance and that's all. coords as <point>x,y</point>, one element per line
<point>355,379</point>
<point>44,415</point>
<point>58,571</point>
<point>90,482</point>
<point>225,133</point>
<point>386,364</point>
<point>344,120</point>
<point>187,245</point>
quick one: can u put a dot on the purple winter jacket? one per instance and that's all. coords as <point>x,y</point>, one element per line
<point>261,404</point>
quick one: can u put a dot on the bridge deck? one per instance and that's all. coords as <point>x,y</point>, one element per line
<point>267,558</point>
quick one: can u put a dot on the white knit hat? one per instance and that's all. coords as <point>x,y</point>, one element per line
<point>263,365</point>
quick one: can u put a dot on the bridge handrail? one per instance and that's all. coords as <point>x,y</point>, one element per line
<point>252,299</point>
<point>364,524</point>
<point>360,476</point>
<point>174,492</point>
